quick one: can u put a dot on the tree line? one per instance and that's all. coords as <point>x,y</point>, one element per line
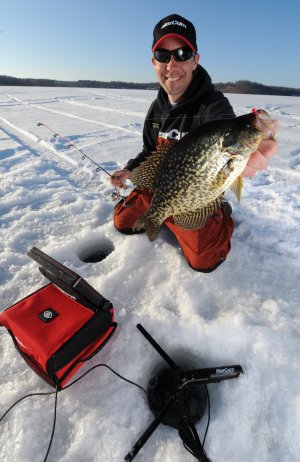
<point>247,87</point>
<point>16,81</point>
<point>240,86</point>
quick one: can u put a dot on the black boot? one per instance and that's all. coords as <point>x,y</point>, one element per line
<point>226,208</point>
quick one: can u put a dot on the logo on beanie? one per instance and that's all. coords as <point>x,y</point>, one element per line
<point>174,23</point>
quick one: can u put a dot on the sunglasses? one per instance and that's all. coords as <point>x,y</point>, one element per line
<point>180,54</point>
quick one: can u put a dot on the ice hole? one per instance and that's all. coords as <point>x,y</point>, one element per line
<point>95,249</point>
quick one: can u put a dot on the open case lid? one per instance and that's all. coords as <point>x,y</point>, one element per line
<point>68,281</point>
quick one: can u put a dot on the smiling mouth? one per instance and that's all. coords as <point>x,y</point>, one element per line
<point>173,79</point>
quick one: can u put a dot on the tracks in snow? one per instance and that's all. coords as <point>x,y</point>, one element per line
<point>15,131</point>
<point>33,138</point>
<point>73,116</point>
<point>103,108</point>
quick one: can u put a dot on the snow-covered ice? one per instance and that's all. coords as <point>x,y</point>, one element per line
<point>246,312</point>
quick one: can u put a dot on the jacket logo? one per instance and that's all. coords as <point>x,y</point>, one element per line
<point>173,134</point>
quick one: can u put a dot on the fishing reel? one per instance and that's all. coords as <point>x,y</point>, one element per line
<point>178,397</point>
<point>117,196</point>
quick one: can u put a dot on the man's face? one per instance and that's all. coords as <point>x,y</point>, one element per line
<point>174,76</point>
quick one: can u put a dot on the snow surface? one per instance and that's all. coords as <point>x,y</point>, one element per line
<point>246,312</point>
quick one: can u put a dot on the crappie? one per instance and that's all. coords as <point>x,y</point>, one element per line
<point>189,177</point>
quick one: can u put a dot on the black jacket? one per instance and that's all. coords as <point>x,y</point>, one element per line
<point>199,104</point>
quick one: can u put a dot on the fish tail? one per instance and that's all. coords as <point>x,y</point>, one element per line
<point>150,224</point>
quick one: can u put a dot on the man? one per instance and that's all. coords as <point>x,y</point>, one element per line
<point>186,99</point>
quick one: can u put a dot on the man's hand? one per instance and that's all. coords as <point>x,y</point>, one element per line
<point>259,160</point>
<point>118,177</point>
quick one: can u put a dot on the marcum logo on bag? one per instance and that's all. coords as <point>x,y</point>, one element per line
<point>174,23</point>
<point>48,315</point>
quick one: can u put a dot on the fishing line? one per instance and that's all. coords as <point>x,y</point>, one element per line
<point>209,118</point>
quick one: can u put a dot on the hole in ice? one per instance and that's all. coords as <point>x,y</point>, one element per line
<point>95,249</point>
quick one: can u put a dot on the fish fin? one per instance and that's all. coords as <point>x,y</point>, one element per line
<point>148,223</point>
<point>144,175</point>
<point>237,187</point>
<point>197,218</point>
<point>222,175</point>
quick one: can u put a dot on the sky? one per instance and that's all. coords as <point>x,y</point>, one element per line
<point>111,40</point>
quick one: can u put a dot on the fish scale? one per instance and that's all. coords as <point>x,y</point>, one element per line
<point>189,177</point>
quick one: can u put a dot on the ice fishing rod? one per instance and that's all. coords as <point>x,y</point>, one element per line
<point>116,195</point>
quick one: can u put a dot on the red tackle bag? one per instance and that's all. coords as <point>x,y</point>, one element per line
<point>60,326</point>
